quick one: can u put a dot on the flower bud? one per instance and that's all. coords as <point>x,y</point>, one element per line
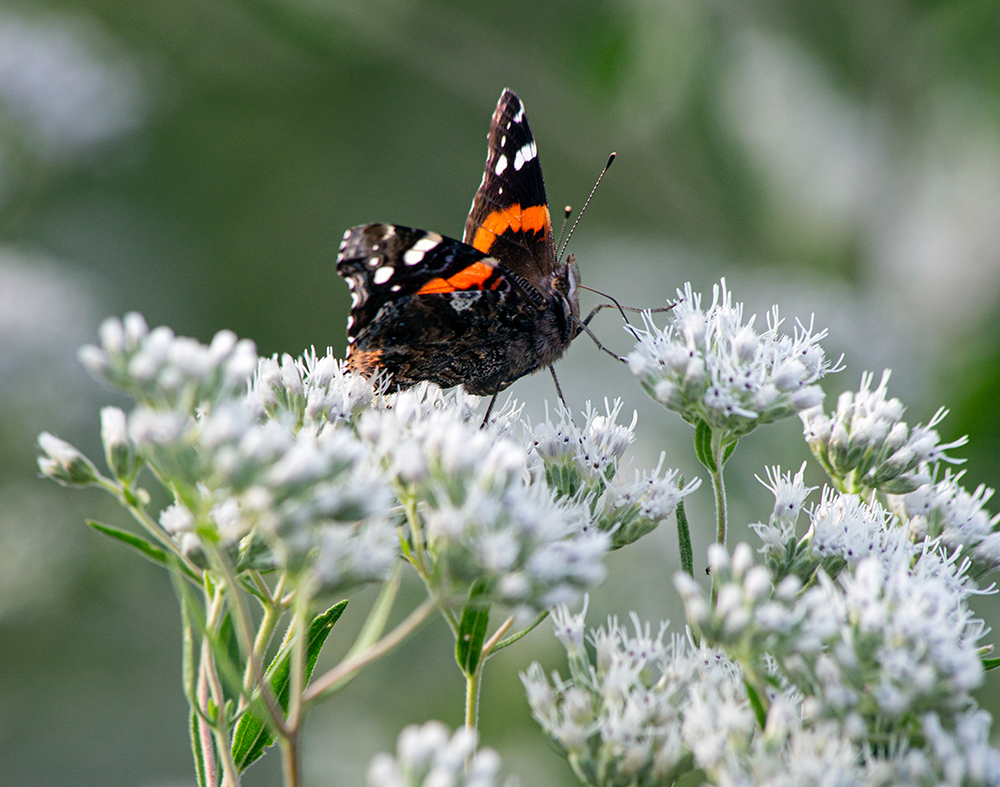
<point>63,463</point>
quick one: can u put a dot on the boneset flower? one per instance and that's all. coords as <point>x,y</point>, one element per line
<point>708,365</point>
<point>427,757</point>
<point>865,444</point>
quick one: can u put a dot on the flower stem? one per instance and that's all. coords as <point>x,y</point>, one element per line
<point>472,683</point>
<point>290,759</point>
<point>719,486</point>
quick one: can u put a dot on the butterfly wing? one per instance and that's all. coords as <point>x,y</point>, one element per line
<point>510,218</point>
<point>427,307</point>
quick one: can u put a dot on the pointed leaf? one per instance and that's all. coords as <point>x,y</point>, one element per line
<point>703,445</point>
<point>252,735</point>
<point>146,548</point>
<point>728,451</point>
<point>989,664</point>
<point>472,628</point>
<point>684,537</point>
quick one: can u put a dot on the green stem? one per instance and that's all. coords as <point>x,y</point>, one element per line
<point>472,684</point>
<point>290,759</point>
<point>246,639</point>
<point>515,637</point>
<point>719,487</point>
<point>300,623</point>
<point>268,624</point>
<point>213,686</point>
<point>129,500</point>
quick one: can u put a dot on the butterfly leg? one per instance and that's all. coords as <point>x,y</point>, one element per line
<point>489,409</point>
<point>582,324</point>
<point>555,379</point>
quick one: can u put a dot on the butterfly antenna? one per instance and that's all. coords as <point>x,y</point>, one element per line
<point>585,204</point>
<point>566,211</point>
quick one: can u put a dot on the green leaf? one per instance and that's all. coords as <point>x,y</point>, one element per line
<point>684,536</point>
<point>989,664</point>
<point>728,451</point>
<point>756,703</point>
<point>252,735</point>
<point>703,445</point>
<point>472,628</point>
<point>373,627</point>
<point>146,548</point>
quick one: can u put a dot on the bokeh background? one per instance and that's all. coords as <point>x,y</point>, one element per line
<point>199,160</point>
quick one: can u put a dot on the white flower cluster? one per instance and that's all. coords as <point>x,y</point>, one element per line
<point>584,457</point>
<point>480,512</point>
<point>162,370</point>
<point>641,711</point>
<point>313,388</point>
<point>865,444</point>
<point>267,491</point>
<point>300,464</point>
<point>888,651</point>
<point>947,511</point>
<point>582,462</point>
<point>843,530</point>
<point>427,757</point>
<point>710,367</point>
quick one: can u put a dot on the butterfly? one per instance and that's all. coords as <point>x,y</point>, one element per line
<point>480,312</point>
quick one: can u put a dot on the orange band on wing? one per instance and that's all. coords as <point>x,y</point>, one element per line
<point>364,362</point>
<point>532,219</point>
<point>471,278</point>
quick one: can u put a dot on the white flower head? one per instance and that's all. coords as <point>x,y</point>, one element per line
<point>164,371</point>
<point>865,444</point>
<point>634,508</point>
<point>63,463</point>
<point>946,510</point>
<point>426,756</point>
<point>582,457</point>
<point>708,365</point>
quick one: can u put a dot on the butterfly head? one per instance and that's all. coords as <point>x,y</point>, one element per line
<point>566,286</point>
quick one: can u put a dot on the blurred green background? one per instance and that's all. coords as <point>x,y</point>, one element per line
<point>198,161</point>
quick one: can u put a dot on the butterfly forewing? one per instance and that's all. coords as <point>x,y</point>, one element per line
<point>510,219</point>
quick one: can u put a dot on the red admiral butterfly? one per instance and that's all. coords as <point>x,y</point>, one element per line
<point>482,312</point>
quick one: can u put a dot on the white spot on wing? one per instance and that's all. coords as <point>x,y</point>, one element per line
<point>415,254</point>
<point>373,262</point>
<point>501,164</point>
<point>460,301</point>
<point>519,117</point>
<point>383,274</point>
<point>524,155</point>
<point>347,234</point>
